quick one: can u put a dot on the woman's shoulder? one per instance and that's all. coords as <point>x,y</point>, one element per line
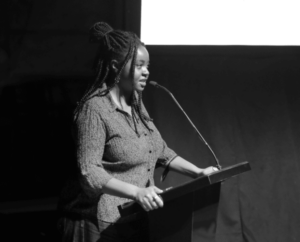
<point>93,108</point>
<point>96,103</point>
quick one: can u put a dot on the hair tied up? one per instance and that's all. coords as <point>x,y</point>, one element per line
<point>98,31</point>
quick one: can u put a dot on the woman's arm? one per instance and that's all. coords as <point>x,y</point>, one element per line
<point>184,167</point>
<point>147,197</point>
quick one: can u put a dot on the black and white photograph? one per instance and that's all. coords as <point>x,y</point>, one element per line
<point>150,121</point>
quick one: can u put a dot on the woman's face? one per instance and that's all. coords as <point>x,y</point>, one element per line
<point>141,73</point>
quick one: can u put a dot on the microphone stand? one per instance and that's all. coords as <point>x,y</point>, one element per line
<point>199,134</point>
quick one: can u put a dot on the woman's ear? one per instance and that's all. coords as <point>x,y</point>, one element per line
<point>114,65</point>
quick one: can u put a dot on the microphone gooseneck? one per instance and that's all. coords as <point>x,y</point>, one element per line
<point>199,134</point>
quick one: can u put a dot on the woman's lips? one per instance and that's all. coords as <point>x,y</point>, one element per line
<point>143,82</point>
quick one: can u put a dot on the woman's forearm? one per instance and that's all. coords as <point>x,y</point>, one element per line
<point>119,188</point>
<point>147,197</point>
<point>184,167</point>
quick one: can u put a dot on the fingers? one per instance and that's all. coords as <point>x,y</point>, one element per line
<point>158,200</point>
<point>150,199</point>
<point>157,190</point>
<point>214,169</point>
<point>209,170</point>
<point>149,203</point>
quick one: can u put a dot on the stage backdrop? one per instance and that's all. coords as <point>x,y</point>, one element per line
<point>245,101</point>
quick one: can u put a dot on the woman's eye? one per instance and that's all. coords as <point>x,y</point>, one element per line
<point>140,66</point>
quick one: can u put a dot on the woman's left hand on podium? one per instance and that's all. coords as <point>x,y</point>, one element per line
<point>208,170</point>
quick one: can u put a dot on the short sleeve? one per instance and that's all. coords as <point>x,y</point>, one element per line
<point>91,137</point>
<point>166,156</point>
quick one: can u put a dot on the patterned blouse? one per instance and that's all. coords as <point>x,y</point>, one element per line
<point>107,147</point>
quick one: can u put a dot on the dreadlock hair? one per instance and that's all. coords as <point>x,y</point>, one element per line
<point>113,45</point>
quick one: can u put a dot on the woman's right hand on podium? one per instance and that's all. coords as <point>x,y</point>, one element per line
<point>148,198</point>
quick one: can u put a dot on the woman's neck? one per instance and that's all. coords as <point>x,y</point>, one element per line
<point>121,98</point>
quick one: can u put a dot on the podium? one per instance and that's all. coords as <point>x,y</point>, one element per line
<point>174,222</point>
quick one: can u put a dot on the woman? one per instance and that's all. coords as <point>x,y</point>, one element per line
<point>118,146</point>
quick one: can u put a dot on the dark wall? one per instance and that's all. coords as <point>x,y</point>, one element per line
<point>50,37</point>
<point>45,64</point>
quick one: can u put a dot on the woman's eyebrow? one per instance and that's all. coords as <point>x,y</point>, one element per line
<point>143,61</point>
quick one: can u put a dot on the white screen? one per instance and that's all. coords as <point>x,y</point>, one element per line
<point>220,22</point>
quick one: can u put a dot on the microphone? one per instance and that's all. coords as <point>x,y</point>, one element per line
<point>153,83</point>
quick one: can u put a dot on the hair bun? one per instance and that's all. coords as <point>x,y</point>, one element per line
<point>99,30</point>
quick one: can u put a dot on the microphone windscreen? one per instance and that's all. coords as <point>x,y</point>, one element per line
<point>153,83</point>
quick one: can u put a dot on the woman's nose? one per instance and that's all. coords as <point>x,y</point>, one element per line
<point>146,71</point>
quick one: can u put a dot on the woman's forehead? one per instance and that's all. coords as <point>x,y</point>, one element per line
<point>142,54</point>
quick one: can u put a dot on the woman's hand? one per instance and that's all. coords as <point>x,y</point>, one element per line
<point>207,171</point>
<point>148,198</point>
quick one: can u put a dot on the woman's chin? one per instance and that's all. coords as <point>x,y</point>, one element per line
<point>140,88</point>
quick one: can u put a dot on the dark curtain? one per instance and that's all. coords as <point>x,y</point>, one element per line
<point>245,101</point>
